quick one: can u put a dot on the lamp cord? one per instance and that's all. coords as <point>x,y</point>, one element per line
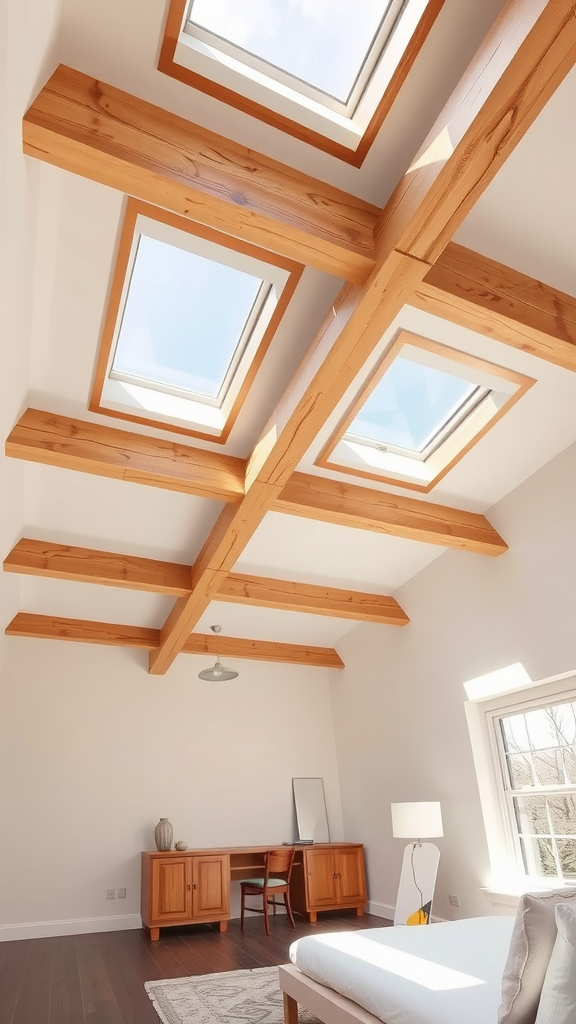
<point>414,845</point>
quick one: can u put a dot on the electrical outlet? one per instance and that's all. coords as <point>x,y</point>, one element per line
<point>122,893</point>
<point>454,900</point>
<point>110,894</point>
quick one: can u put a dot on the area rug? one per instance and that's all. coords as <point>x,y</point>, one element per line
<point>246,997</point>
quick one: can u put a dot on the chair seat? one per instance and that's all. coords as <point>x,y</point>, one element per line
<point>259,882</point>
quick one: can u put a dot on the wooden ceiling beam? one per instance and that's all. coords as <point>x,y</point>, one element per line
<point>365,508</point>
<point>108,568</point>
<point>89,565</point>
<point>495,300</point>
<point>48,627</point>
<point>263,650</point>
<point>265,592</point>
<point>528,52</point>
<point>123,455</point>
<point>102,133</point>
<point>92,448</point>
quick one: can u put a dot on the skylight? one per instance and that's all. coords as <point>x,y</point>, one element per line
<point>324,71</point>
<point>323,44</point>
<point>423,407</point>
<point>411,406</point>
<point>191,315</point>
<point>184,319</point>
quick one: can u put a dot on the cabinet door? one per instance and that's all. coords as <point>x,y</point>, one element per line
<point>171,889</point>
<point>210,887</point>
<point>320,878</point>
<point>349,867</point>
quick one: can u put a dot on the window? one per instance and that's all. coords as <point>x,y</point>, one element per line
<point>191,315</point>
<point>325,51</point>
<point>537,747</point>
<point>326,72</point>
<point>524,746</point>
<point>425,406</point>
<point>413,407</point>
<point>176,333</point>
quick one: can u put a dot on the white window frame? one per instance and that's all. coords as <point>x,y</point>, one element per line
<point>230,66</point>
<point>128,394</point>
<point>297,85</point>
<point>507,866</point>
<point>356,452</point>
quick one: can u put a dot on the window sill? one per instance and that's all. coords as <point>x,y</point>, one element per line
<point>504,900</point>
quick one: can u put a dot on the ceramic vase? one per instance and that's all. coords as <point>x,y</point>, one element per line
<point>163,834</point>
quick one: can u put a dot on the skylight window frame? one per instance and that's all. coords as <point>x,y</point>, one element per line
<point>205,68</point>
<point>346,108</point>
<point>121,395</point>
<point>437,436</point>
<point>241,346</point>
<point>346,453</point>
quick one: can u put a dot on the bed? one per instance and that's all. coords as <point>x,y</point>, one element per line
<point>448,973</point>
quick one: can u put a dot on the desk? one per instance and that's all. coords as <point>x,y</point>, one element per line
<point>194,886</point>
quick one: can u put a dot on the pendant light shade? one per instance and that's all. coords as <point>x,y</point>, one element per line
<point>217,674</point>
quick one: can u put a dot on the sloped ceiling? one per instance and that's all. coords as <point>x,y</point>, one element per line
<point>525,219</point>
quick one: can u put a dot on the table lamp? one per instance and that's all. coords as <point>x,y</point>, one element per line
<point>417,821</point>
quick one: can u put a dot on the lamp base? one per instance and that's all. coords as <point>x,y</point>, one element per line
<point>417,881</point>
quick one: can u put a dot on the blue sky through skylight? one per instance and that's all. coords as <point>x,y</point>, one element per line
<point>322,42</point>
<point>410,405</point>
<point>183,318</point>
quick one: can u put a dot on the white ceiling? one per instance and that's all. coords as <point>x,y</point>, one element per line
<point>527,217</point>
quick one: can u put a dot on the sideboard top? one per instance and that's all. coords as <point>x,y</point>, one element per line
<point>219,850</point>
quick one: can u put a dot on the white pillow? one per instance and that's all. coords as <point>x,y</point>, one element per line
<point>558,999</point>
<point>531,946</point>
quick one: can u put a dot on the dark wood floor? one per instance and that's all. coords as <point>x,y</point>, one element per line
<point>99,979</point>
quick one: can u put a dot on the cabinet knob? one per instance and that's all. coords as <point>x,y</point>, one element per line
<point>189,887</point>
<point>194,886</point>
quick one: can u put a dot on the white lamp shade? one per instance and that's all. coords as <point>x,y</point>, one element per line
<point>417,820</point>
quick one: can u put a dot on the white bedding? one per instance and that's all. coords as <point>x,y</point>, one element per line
<point>448,973</point>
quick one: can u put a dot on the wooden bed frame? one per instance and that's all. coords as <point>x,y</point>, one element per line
<point>327,1005</point>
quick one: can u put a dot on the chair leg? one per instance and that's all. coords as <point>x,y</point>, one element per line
<point>289,909</point>
<point>265,901</point>
<point>242,911</point>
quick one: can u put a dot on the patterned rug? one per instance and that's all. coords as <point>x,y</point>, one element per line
<point>237,997</point>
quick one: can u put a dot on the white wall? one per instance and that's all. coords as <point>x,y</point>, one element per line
<point>398,707</point>
<point>96,750</point>
<point>28,39</point>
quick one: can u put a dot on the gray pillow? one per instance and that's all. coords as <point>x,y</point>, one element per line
<point>558,999</point>
<point>531,946</point>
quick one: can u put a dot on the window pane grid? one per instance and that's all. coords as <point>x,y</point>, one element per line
<point>538,752</point>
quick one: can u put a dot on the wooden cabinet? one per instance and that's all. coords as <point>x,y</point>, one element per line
<point>330,877</point>
<point>186,888</point>
<point>210,887</point>
<point>182,888</point>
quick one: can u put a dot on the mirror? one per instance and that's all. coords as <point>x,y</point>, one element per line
<point>311,810</point>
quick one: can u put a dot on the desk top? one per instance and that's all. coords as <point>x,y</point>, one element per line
<point>243,850</point>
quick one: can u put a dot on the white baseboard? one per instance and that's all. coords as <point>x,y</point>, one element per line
<point>387,910</point>
<point>380,909</point>
<point>74,926</point>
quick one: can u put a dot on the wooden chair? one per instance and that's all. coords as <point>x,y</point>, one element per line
<point>276,882</point>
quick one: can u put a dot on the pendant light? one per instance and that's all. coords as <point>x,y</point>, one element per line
<point>217,674</point>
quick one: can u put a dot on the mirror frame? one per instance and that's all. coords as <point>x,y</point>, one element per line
<point>321,831</point>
